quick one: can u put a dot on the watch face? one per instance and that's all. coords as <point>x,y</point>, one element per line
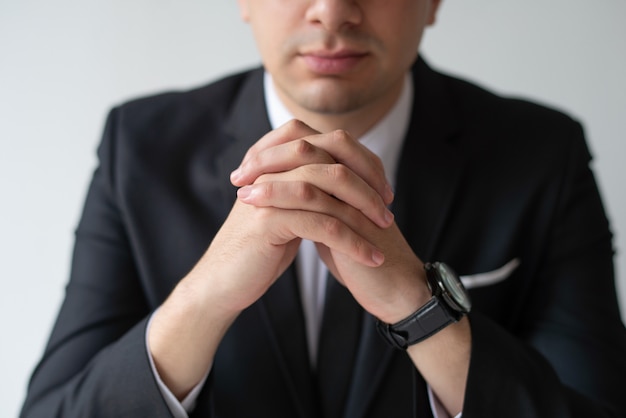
<point>453,289</point>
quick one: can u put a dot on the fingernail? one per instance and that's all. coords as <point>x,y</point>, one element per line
<point>388,216</point>
<point>235,175</point>
<point>378,257</point>
<point>244,192</point>
<point>388,193</point>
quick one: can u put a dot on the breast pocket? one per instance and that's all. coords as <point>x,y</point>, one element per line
<point>488,278</point>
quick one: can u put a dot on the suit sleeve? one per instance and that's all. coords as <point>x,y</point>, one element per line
<point>95,363</point>
<point>568,358</point>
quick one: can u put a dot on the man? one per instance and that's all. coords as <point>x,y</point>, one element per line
<point>346,122</point>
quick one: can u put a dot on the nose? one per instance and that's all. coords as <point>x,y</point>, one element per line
<point>334,15</point>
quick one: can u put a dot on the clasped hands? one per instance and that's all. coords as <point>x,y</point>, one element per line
<point>296,183</point>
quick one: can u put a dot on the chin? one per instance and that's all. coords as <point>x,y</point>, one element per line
<point>332,101</point>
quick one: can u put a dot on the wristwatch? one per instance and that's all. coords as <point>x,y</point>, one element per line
<point>449,302</point>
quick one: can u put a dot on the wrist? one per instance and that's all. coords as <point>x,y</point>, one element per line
<point>448,304</point>
<point>184,335</point>
<point>407,300</point>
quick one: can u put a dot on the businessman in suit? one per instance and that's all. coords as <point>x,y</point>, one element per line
<point>270,245</point>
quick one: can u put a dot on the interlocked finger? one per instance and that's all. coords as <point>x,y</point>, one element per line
<point>313,187</point>
<point>279,158</point>
<point>295,144</point>
<point>329,231</point>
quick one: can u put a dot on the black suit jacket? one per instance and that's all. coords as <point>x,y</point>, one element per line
<point>482,180</point>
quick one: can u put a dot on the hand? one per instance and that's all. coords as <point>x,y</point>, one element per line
<point>296,144</point>
<point>257,243</point>
<point>335,175</point>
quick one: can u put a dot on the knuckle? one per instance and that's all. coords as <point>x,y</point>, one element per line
<point>302,147</point>
<point>332,226</point>
<point>266,191</point>
<point>292,123</point>
<point>295,125</point>
<point>304,192</point>
<point>338,172</point>
<point>341,136</point>
<point>359,246</point>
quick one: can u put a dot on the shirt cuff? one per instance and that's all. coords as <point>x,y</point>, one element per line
<point>179,409</point>
<point>437,408</point>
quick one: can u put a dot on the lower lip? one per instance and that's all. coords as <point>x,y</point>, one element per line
<point>332,65</point>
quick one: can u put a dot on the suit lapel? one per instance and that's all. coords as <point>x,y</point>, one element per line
<point>245,125</point>
<point>430,169</point>
<point>428,176</point>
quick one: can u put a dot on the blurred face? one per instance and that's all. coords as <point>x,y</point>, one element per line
<point>338,56</point>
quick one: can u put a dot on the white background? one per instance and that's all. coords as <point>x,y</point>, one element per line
<point>64,63</point>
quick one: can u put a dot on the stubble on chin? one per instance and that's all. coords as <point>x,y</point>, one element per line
<point>329,97</point>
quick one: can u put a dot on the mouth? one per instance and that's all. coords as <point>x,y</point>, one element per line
<point>333,62</point>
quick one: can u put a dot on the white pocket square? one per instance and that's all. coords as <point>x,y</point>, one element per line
<point>490,277</point>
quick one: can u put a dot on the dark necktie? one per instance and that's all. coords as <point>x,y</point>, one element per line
<point>339,338</point>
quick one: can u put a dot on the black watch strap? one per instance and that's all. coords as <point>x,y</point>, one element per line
<point>426,321</point>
